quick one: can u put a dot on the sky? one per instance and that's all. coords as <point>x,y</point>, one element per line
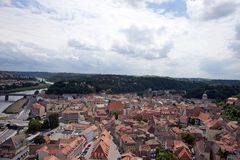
<point>176,38</point>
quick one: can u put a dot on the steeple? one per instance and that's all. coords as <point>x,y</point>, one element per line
<point>205,100</point>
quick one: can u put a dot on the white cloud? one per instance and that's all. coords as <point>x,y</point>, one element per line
<point>120,36</point>
<point>211,9</point>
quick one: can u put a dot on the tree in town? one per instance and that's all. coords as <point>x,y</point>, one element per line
<point>188,138</point>
<point>116,114</point>
<point>53,120</point>
<point>192,121</point>
<point>45,124</point>
<point>158,150</point>
<point>223,153</point>
<point>165,155</point>
<point>34,125</point>
<point>39,140</point>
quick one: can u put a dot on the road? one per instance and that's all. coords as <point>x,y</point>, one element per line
<point>23,115</point>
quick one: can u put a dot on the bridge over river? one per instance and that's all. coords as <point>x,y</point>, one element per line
<point>7,95</point>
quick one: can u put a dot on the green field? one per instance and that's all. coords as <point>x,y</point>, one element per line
<point>16,107</point>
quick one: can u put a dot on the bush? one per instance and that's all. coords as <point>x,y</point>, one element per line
<point>39,140</point>
<point>188,138</point>
<point>53,120</point>
<point>165,155</point>
<point>34,126</point>
<point>45,124</point>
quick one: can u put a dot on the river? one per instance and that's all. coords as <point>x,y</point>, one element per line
<point>4,104</point>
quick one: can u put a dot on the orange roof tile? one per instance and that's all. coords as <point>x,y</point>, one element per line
<point>51,158</point>
<point>115,105</point>
<point>127,139</point>
<point>102,145</point>
<point>184,153</point>
<point>204,116</point>
<point>176,130</point>
<point>70,111</point>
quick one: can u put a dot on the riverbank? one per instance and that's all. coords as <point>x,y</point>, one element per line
<point>16,107</point>
<point>40,86</point>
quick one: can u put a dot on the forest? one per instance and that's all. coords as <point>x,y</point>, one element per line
<point>84,84</point>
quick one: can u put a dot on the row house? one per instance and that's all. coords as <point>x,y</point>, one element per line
<point>66,149</point>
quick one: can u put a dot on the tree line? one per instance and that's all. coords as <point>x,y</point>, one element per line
<point>85,84</point>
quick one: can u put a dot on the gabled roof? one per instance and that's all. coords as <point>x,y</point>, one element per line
<point>102,145</point>
<point>203,146</point>
<point>194,111</point>
<point>127,139</point>
<point>216,124</point>
<point>72,145</point>
<point>144,147</point>
<point>71,111</point>
<point>66,150</point>
<point>152,142</point>
<point>115,105</point>
<point>176,130</point>
<point>129,156</point>
<point>204,116</point>
<point>183,153</point>
<point>14,142</point>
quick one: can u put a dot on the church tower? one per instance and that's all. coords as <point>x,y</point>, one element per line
<point>205,101</point>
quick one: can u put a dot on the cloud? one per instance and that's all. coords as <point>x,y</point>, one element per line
<point>237,30</point>
<point>211,9</point>
<point>220,10</point>
<point>154,37</point>
<point>13,58</point>
<point>235,47</point>
<point>221,68</point>
<point>140,3</point>
<point>33,5</point>
<point>139,35</point>
<point>235,44</point>
<point>142,43</point>
<point>80,46</point>
<point>141,52</point>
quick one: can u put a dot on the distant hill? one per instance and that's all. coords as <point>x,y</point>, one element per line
<point>213,81</point>
<point>94,83</point>
<point>87,83</point>
<point>13,75</point>
<point>29,74</point>
<point>116,84</point>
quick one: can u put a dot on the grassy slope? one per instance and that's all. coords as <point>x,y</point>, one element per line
<point>16,106</point>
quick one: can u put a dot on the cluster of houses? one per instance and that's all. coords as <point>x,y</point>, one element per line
<point>129,127</point>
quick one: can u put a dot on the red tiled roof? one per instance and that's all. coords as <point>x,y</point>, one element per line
<point>129,156</point>
<point>115,105</point>
<point>184,154</point>
<point>101,148</point>
<point>127,139</point>
<point>51,158</point>
<point>203,116</point>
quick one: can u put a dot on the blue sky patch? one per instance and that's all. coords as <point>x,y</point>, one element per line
<point>177,7</point>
